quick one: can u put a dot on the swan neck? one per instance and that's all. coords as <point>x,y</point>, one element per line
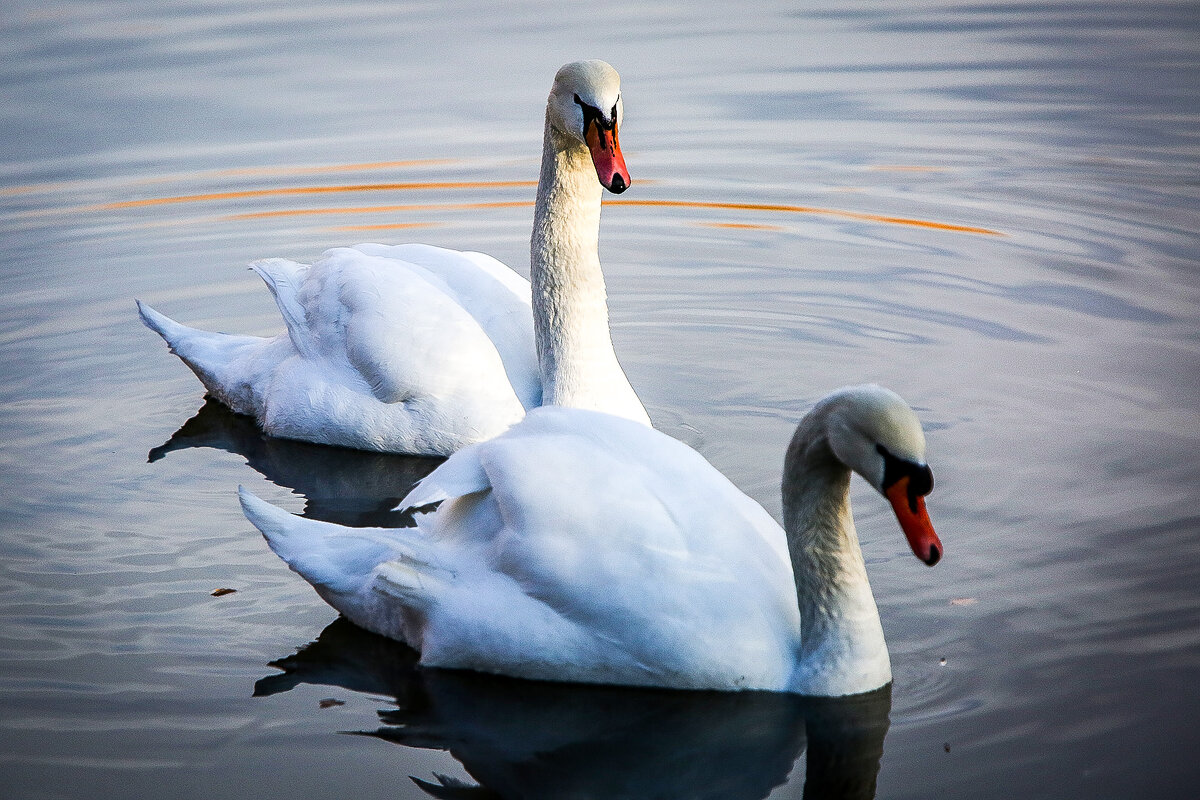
<point>570,310</point>
<point>842,649</point>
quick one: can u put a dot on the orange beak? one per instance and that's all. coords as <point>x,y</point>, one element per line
<point>606,156</point>
<point>914,521</point>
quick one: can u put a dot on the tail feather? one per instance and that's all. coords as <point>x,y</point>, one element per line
<point>214,357</point>
<point>321,552</point>
<point>170,330</point>
<point>340,559</point>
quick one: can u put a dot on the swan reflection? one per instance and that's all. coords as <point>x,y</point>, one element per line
<point>349,487</point>
<point>524,739</point>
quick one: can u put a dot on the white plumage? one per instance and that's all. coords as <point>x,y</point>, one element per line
<point>580,546</point>
<point>422,350</point>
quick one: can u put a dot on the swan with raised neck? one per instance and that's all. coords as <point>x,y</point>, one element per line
<point>579,546</point>
<point>423,350</point>
<point>581,157</point>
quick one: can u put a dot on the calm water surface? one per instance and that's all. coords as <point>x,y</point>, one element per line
<point>991,208</point>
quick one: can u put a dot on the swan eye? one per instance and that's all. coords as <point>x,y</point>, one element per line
<point>920,476</point>
<point>593,114</point>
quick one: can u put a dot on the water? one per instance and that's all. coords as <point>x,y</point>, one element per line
<point>991,208</point>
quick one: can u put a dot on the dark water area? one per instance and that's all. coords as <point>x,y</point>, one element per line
<point>991,208</point>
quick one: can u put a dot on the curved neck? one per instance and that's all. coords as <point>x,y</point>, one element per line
<point>570,311</point>
<point>842,649</point>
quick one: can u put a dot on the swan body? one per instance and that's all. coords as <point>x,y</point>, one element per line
<point>423,350</point>
<point>584,547</point>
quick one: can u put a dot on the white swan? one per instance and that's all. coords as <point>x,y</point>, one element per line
<point>583,547</point>
<point>417,349</point>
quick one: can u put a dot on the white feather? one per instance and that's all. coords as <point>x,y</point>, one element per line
<point>422,350</point>
<point>580,546</point>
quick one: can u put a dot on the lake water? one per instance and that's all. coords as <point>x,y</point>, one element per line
<point>990,207</point>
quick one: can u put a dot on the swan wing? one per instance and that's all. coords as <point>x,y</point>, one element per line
<point>457,477</point>
<point>615,553</point>
<point>402,331</point>
<point>380,354</point>
<point>493,294</point>
<point>284,279</point>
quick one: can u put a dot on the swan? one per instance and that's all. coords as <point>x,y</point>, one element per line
<point>579,546</point>
<point>422,350</point>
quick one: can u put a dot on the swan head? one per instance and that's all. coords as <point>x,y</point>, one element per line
<point>585,105</point>
<point>874,432</point>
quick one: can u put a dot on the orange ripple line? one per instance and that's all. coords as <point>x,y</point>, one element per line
<point>365,187</point>
<point>741,226</point>
<point>300,212</point>
<point>393,226</point>
<point>832,212</point>
<point>13,191</point>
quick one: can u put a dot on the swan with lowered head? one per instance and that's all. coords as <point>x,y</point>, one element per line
<point>579,546</point>
<point>422,350</point>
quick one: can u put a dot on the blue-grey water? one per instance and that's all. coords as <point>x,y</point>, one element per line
<point>991,207</point>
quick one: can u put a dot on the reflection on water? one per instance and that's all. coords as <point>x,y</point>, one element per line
<point>749,270</point>
<point>343,486</point>
<point>524,739</point>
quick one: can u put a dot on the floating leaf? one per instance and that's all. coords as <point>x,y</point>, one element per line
<point>222,592</point>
